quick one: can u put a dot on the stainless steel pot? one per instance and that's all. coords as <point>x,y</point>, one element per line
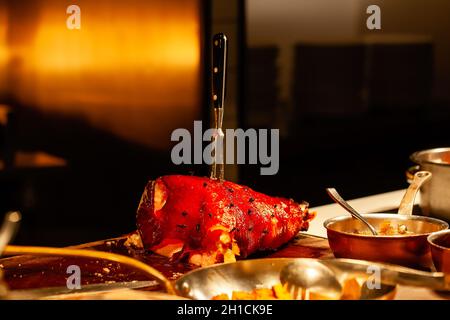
<point>434,195</point>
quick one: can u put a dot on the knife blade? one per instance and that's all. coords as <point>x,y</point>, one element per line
<point>219,65</point>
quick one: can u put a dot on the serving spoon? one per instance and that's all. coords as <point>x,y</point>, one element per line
<point>344,204</point>
<point>7,232</point>
<point>9,228</point>
<point>306,275</point>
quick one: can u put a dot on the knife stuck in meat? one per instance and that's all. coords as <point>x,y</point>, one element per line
<point>220,51</point>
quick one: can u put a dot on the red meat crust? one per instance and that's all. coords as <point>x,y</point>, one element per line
<point>212,221</point>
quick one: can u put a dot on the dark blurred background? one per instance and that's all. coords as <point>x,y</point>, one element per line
<point>86,115</point>
<point>352,103</point>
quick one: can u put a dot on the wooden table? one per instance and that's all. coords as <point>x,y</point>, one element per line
<point>26,272</point>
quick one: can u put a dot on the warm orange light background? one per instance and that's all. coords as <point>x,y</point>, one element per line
<point>133,69</point>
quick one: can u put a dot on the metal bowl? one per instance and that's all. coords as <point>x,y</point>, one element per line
<point>440,250</point>
<point>246,275</point>
<point>407,250</point>
<point>435,195</point>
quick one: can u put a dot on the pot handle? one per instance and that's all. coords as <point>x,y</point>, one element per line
<point>411,172</point>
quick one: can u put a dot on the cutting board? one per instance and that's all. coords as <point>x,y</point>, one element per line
<point>26,272</point>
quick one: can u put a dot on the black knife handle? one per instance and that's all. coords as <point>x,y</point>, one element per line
<point>219,71</point>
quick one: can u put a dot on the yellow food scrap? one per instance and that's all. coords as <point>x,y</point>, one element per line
<point>203,259</point>
<point>351,290</point>
<point>386,228</point>
<point>235,248</point>
<point>277,292</point>
<point>280,291</point>
<point>229,256</point>
<point>170,249</point>
<point>263,294</point>
<point>242,295</point>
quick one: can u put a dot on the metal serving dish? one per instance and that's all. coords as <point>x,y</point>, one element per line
<point>407,250</point>
<point>246,275</point>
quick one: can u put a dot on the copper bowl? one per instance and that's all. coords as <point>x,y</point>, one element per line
<point>411,250</point>
<point>440,250</point>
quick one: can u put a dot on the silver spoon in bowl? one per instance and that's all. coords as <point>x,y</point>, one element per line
<point>344,204</point>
